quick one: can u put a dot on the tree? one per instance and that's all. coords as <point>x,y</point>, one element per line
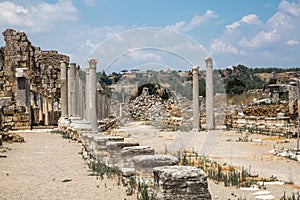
<point>104,79</point>
<point>235,87</point>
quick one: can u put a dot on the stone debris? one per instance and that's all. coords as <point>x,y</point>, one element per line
<point>181,182</point>
<point>134,160</point>
<point>287,153</point>
<point>153,107</point>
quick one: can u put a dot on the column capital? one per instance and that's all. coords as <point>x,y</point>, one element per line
<point>209,62</point>
<point>195,69</point>
<point>93,62</point>
<point>73,64</point>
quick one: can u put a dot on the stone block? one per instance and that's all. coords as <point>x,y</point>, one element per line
<point>181,182</point>
<point>127,154</point>
<point>144,164</point>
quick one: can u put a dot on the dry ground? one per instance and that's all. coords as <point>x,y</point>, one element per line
<point>223,147</point>
<point>36,170</point>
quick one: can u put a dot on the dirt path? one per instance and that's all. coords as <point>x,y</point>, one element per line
<point>38,168</point>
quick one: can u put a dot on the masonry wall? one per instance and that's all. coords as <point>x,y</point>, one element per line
<point>30,78</point>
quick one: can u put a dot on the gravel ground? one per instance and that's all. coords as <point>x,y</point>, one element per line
<point>38,168</point>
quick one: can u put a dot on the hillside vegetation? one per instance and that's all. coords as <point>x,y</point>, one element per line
<point>235,80</point>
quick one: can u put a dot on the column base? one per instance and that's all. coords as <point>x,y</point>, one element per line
<point>81,125</point>
<point>63,122</point>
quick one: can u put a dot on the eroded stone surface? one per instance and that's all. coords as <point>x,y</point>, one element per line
<point>181,182</point>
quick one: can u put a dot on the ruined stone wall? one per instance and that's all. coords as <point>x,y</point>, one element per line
<point>31,78</point>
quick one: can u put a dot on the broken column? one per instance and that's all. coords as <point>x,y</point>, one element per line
<point>210,124</point>
<point>196,116</point>
<point>92,93</point>
<point>63,121</point>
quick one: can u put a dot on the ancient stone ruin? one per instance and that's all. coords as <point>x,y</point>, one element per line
<point>42,88</point>
<point>30,83</point>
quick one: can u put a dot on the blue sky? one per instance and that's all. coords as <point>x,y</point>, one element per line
<point>250,32</point>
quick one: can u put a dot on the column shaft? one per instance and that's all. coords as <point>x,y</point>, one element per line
<point>87,94</point>
<point>210,124</point>
<point>196,113</point>
<point>73,89</point>
<point>64,89</point>
<point>92,96</point>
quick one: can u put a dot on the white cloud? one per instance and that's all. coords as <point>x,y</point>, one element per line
<point>248,19</point>
<point>219,46</point>
<point>38,18</point>
<point>255,42</point>
<point>177,26</point>
<point>145,56</point>
<point>90,2</point>
<point>291,8</point>
<point>292,43</point>
<point>260,39</point>
<point>195,22</point>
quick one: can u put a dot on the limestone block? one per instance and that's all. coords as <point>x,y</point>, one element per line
<point>146,163</point>
<point>127,154</point>
<point>114,150</point>
<point>181,182</point>
<point>127,172</point>
<point>8,119</point>
<point>22,117</point>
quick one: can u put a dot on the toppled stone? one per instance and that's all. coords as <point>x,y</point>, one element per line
<point>127,172</point>
<point>181,182</point>
<point>146,163</point>
<point>127,154</point>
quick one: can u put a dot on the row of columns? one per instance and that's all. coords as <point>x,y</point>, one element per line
<point>210,123</point>
<point>72,94</point>
<point>72,97</point>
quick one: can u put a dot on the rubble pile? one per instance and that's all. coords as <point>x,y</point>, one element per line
<point>153,107</point>
<point>11,137</point>
<point>265,110</point>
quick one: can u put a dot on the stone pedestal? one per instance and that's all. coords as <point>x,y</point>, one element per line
<point>196,113</point>
<point>210,121</point>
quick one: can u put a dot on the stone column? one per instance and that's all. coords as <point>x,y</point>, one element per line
<point>92,92</point>
<point>80,99</point>
<point>87,93</point>
<point>77,93</point>
<point>210,123</point>
<point>73,89</point>
<point>196,116</point>
<point>64,90</point>
<point>46,114</point>
<point>69,93</point>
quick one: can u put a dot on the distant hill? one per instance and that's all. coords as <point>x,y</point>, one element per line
<point>234,80</point>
